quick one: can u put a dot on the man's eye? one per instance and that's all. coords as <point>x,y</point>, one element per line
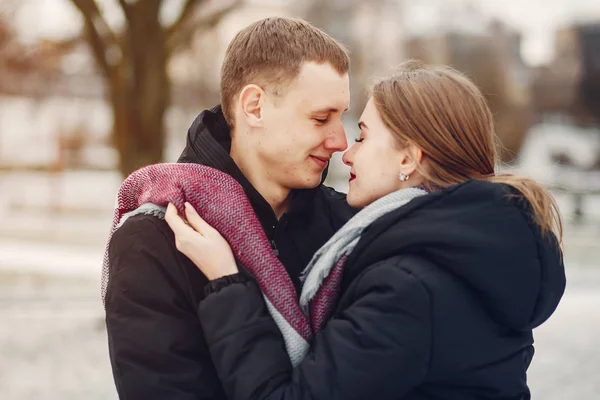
<point>358,140</point>
<point>320,121</point>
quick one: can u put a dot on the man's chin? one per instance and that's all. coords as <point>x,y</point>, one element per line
<point>308,183</point>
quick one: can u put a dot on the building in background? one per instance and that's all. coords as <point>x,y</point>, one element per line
<point>568,88</point>
<point>488,52</point>
<point>589,39</point>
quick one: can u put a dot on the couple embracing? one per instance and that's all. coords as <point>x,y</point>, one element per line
<point>236,274</point>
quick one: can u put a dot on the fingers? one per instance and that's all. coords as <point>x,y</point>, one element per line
<point>176,223</point>
<point>185,236</point>
<point>196,221</point>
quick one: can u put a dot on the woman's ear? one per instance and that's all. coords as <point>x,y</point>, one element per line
<point>411,159</point>
<point>251,101</point>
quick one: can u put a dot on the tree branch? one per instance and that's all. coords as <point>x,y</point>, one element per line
<point>185,14</point>
<point>100,36</point>
<point>181,33</point>
<point>126,10</point>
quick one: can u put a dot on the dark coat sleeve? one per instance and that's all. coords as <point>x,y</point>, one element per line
<point>378,346</point>
<point>156,343</point>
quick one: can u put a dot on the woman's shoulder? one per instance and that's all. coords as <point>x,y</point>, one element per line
<point>409,276</point>
<point>395,272</point>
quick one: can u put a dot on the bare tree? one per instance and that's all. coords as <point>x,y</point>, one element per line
<point>134,65</point>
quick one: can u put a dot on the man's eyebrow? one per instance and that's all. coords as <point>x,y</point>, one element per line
<point>327,110</point>
<point>362,125</point>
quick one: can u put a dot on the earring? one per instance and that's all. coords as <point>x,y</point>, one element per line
<point>403,177</point>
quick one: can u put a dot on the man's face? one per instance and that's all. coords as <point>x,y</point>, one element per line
<point>302,128</point>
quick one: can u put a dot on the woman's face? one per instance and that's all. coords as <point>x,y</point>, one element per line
<point>376,161</point>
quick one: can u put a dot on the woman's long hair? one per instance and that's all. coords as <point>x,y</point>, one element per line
<point>443,113</point>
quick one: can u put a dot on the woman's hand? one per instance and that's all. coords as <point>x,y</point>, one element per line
<point>201,243</point>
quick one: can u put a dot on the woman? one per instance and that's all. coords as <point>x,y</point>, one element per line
<point>439,295</point>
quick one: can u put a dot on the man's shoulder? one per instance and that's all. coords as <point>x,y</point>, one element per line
<point>337,205</point>
<point>331,194</point>
<point>142,228</point>
<point>145,244</point>
<point>140,236</point>
<point>336,198</point>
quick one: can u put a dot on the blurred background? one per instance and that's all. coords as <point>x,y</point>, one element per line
<point>73,124</point>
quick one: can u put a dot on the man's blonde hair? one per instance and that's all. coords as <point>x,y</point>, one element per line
<point>270,52</point>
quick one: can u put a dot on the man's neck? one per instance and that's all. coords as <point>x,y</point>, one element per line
<point>276,195</point>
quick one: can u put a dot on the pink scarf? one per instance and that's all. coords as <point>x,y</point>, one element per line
<point>221,201</point>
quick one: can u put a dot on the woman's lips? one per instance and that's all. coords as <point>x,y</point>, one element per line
<point>352,177</point>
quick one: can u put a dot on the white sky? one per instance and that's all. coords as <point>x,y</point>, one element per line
<point>535,19</point>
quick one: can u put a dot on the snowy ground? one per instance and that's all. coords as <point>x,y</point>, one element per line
<point>52,339</point>
<point>567,357</point>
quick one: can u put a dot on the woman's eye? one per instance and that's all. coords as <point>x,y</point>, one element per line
<point>321,121</point>
<point>358,140</point>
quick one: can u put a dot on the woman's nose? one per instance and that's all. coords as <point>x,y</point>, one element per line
<point>347,157</point>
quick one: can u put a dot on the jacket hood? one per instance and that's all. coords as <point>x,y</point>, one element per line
<point>484,234</point>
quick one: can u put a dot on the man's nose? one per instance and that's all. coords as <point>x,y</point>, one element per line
<point>336,139</point>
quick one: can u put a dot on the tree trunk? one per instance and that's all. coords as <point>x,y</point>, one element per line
<point>138,127</point>
<point>140,92</point>
<point>134,64</point>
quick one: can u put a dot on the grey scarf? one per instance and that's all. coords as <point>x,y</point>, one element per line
<point>344,241</point>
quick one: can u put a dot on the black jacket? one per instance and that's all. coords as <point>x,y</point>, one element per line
<point>439,299</point>
<point>156,343</point>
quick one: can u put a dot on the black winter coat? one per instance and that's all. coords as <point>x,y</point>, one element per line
<point>438,301</point>
<point>157,347</point>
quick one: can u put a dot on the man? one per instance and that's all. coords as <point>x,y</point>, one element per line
<point>284,88</point>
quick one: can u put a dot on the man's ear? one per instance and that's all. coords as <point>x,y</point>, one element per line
<point>251,101</point>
